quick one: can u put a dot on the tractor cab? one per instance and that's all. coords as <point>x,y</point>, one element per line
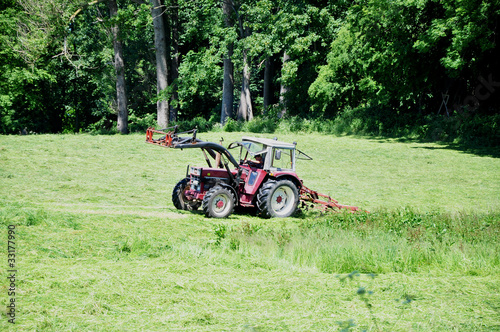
<point>270,155</point>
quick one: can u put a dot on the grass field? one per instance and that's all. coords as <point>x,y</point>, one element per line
<point>100,247</point>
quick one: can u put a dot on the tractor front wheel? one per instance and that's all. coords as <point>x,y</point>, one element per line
<point>219,202</point>
<point>278,198</point>
<point>179,198</point>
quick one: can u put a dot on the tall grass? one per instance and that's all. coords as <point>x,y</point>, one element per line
<point>382,242</point>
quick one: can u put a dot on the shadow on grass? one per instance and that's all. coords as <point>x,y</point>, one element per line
<point>469,148</point>
<point>493,152</point>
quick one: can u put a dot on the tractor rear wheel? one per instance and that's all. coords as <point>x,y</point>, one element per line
<point>278,198</point>
<point>219,202</point>
<point>179,198</point>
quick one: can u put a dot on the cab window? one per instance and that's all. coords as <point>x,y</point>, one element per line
<point>282,158</point>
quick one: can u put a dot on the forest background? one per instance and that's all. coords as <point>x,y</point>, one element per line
<point>415,68</point>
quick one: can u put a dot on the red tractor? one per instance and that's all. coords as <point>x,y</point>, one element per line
<point>263,177</point>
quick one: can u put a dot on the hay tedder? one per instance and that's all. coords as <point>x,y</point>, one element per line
<point>263,177</point>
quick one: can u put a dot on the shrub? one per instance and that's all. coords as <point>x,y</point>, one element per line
<point>261,125</point>
<point>200,123</point>
<point>140,124</point>
<point>232,126</point>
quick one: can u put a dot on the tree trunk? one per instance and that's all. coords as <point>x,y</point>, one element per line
<point>119,63</point>
<point>228,88</point>
<point>283,89</point>
<point>228,84</point>
<point>267,96</point>
<point>174,21</point>
<point>245,111</point>
<point>161,51</point>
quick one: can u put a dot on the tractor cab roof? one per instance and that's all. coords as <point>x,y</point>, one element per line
<point>273,143</point>
<point>270,142</point>
<point>258,146</point>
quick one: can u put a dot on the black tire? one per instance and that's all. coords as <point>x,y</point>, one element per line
<point>179,199</point>
<point>278,198</point>
<point>219,202</point>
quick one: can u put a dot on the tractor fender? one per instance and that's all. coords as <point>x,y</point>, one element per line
<point>229,187</point>
<point>291,177</point>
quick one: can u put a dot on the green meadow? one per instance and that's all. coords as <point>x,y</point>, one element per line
<point>99,245</point>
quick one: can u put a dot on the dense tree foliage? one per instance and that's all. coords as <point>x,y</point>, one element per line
<point>393,62</point>
<point>401,55</point>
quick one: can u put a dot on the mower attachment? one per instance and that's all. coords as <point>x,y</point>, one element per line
<point>171,138</point>
<point>321,201</point>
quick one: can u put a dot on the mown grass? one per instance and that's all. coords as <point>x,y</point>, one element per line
<point>100,246</point>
